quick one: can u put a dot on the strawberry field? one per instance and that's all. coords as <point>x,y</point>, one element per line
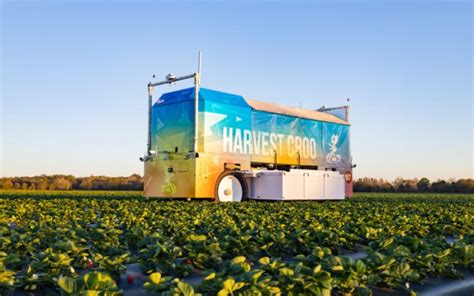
<point>114,243</point>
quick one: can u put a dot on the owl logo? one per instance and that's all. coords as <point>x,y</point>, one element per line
<point>169,187</point>
<point>332,156</point>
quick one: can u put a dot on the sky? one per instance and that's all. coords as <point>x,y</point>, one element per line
<point>74,74</point>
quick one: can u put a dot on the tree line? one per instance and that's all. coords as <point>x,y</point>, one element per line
<point>68,182</point>
<point>135,182</point>
<point>422,185</point>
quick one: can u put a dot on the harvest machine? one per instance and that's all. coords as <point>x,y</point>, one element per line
<point>207,144</point>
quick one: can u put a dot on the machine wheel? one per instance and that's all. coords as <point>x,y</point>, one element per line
<point>231,187</point>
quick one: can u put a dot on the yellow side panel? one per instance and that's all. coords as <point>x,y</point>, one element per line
<point>176,177</point>
<point>170,178</point>
<point>210,166</point>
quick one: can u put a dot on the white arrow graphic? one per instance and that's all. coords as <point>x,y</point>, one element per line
<point>211,119</point>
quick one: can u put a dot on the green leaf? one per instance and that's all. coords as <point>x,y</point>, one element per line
<point>197,238</point>
<point>287,271</point>
<point>228,284</point>
<point>98,281</point>
<point>256,276</point>
<point>237,286</point>
<point>317,269</point>
<point>211,276</point>
<point>92,281</point>
<point>264,261</point>
<point>64,259</point>
<point>360,267</point>
<point>223,292</point>
<point>386,243</point>
<point>300,257</point>
<point>323,276</point>
<point>155,278</point>
<point>413,275</point>
<point>186,289</point>
<point>238,260</point>
<point>337,268</point>
<point>68,284</point>
<point>402,251</point>
<point>273,290</point>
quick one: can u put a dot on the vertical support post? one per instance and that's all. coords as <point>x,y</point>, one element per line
<point>196,110</point>
<point>150,98</point>
<point>197,82</point>
<point>275,163</point>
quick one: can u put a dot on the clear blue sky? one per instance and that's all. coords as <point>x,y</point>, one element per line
<point>74,76</point>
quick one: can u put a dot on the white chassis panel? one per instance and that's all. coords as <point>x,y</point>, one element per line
<point>295,185</point>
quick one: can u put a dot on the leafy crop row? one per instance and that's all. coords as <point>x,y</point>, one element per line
<point>70,244</point>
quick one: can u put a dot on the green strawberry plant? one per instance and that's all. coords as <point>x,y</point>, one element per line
<point>93,283</point>
<point>248,248</point>
<point>7,277</point>
<point>202,253</point>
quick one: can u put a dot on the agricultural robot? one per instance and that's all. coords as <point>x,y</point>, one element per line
<point>207,144</point>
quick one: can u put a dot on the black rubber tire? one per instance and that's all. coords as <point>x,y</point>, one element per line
<point>238,176</point>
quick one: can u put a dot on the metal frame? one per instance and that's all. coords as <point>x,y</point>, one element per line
<point>346,107</point>
<point>170,78</point>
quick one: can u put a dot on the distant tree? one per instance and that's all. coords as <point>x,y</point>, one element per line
<point>372,185</point>
<point>423,185</point>
<point>7,184</point>
<point>363,185</point>
<point>61,183</point>
<point>85,184</point>
<point>405,185</point>
<point>385,186</point>
<point>441,186</point>
<point>464,186</point>
<point>43,185</point>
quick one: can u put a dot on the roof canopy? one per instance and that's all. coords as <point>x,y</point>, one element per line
<point>296,112</point>
<point>231,99</point>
